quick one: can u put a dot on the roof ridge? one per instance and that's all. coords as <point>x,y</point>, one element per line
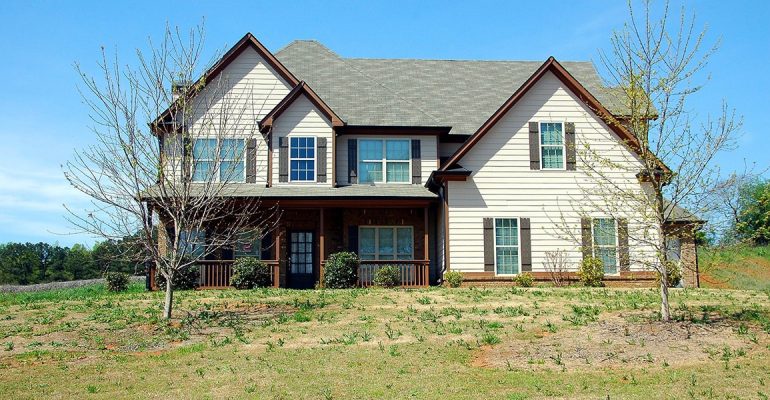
<point>538,62</point>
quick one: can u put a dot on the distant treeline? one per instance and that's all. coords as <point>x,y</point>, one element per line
<point>28,263</point>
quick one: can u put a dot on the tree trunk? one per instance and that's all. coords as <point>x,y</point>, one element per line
<point>169,299</point>
<point>665,311</point>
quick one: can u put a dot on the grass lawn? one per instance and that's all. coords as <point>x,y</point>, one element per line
<point>507,343</point>
<point>737,267</point>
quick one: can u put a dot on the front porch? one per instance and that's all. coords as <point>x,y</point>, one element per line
<point>398,233</point>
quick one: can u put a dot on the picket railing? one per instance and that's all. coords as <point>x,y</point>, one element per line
<point>413,273</point>
<point>215,274</point>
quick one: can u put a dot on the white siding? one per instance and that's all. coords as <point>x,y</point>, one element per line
<point>502,184</point>
<point>245,91</point>
<point>302,118</point>
<point>428,156</point>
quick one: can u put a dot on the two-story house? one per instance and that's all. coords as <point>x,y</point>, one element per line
<point>431,165</point>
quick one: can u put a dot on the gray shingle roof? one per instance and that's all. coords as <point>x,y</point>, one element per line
<point>413,92</point>
<point>321,192</point>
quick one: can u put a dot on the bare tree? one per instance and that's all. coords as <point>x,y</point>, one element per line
<point>170,154</point>
<point>557,265</point>
<point>652,68</point>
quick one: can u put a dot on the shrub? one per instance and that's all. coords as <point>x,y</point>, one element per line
<point>674,274</point>
<point>387,276</point>
<point>591,272</point>
<point>341,270</point>
<point>116,281</point>
<point>524,279</point>
<point>250,272</point>
<point>184,279</point>
<point>454,278</point>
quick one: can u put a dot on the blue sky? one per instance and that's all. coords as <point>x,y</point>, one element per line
<point>42,119</point>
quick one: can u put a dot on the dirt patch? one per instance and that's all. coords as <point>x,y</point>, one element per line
<point>615,342</point>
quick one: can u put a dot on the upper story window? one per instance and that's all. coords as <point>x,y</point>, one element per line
<point>384,161</point>
<point>302,159</point>
<point>605,234</point>
<point>220,160</point>
<point>552,151</point>
<point>507,246</point>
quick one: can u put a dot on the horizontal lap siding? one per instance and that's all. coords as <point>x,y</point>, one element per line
<point>428,156</point>
<point>502,185</point>
<point>302,118</point>
<point>246,90</point>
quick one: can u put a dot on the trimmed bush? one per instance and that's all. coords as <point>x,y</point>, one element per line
<point>387,276</point>
<point>341,270</point>
<point>116,281</point>
<point>250,272</point>
<point>453,278</point>
<point>591,272</point>
<point>674,274</point>
<point>185,279</point>
<point>524,279</point>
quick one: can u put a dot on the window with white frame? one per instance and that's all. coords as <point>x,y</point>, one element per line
<point>507,246</point>
<point>605,234</point>
<point>384,161</point>
<point>552,145</point>
<point>385,243</point>
<point>302,161</point>
<point>192,242</point>
<point>219,160</point>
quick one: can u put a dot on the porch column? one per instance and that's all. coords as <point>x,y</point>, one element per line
<point>278,272</point>
<point>426,245</point>
<point>322,250</point>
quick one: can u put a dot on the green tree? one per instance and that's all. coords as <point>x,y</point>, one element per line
<point>754,217</point>
<point>79,264</point>
<point>57,270</point>
<point>19,263</point>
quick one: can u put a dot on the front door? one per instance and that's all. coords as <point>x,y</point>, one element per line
<point>301,260</point>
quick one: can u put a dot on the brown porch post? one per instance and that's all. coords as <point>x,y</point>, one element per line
<point>425,268</point>
<point>322,250</point>
<point>277,244</point>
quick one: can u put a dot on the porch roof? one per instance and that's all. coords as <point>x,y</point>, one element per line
<point>380,192</point>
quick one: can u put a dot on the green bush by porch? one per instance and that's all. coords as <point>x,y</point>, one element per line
<point>250,273</point>
<point>341,270</point>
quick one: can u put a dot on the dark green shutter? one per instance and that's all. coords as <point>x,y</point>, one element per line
<point>416,165</point>
<point>489,245</point>
<point>283,159</point>
<point>251,161</point>
<point>321,159</point>
<point>569,143</point>
<point>352,161</point>
<point>585,231</point>
<point>534,146</point>
<point>623,255</point>
<point>525,245</point>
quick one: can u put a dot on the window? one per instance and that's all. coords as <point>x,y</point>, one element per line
<point>506,246</point>
<point>192,242</point>
<point>384,161</point>
<point>385,243</point>
<point>606,244</point>
<point>221,160</point>
<point>249,244</point>
<point>552,145</point>
<point>302,159</point>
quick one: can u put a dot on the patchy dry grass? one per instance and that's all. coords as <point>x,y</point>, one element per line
<point>438,343</point>
<point>735,267</point>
